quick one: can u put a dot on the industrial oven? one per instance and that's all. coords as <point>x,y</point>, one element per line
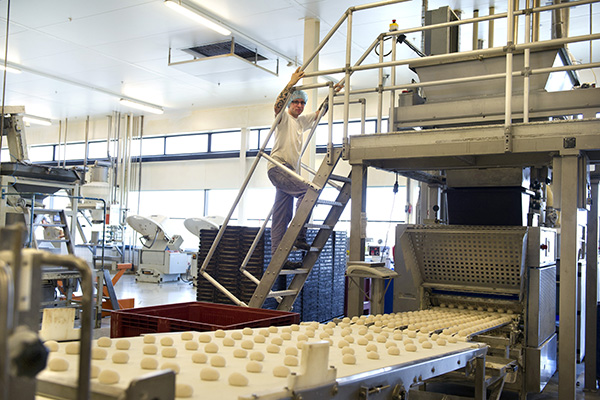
<point>508,269</point>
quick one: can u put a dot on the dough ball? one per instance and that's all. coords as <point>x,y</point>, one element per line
<point>295,327</point>
<point>94,371</point>
<point>373,355</point>
<point>149,339</point>
<point>166,341</point>
<point>347,350</point>
<point>423,339</point>
<point>452,339</point>
<point>290,361</point>
<point>257,356</point>
<point>390,344</point>
<point>104,342</point>
<point>108,377</point>
<point>191,345</point>
<point>218,361</point>
<point>254,367</point>
<point>273,329</point>
<point>411,334</point>
<point>349,359</point>
<point>291,351</point>
<point>310,333</point>
<point>363,330</point>
<point>240,353</point>
<point>51,345</point>
<point>204,338</point>
<point>441,342</point>
<point>281,371</point>
<point>149,363</point>
<point>393,351</point>
<point>286,336</point>
<point>273,349</point>
<point>363,341</point>
<point>410,347</point>
<point>381,339</point>
<point>123,344</point>
<point>209,374</point>
<point>300,344</point>
<point>220,333</point>
<point>150,349</point>
<point>228,342</point>
<point>369,336</point>
<point>427,345</point>
<point>211,348</point>
<point>187,336</point>
<point>98,353</point>
<point>349,338</point>
<point>247,331</point>
<point>183,391</point>
<point>120,357</point>
<point>72,348</point>
<point>58,364</point>
<point>247,344</point>
<point>237,335</point>
<point>277,340</point>
<point>371,347</point>
<point>264,332</point>
<point>199,358</point>
<point>407,341</point>
<point>342,343</point>
<point>324,335</point>
<point>169,352</point>
<point>237,379</point>
<point>172,366</point>
<point>260,339</point>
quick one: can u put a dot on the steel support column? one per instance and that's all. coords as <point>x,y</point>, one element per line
<point>354,304</point>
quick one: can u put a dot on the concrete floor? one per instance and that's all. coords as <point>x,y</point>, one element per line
<point>152,294</point>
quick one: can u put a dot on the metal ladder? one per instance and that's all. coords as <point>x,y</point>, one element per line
<point>61,224</point>
<point>275,269</point>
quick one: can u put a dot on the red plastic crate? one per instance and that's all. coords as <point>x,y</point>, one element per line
<point>194,316</point>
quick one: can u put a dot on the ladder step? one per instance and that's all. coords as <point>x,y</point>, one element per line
<point>330,203</point>
<point>317,226</point>
<point>53,240</point>
<point>293,271</point>
<point>51,225</point>
<point>46,211</point>
<point>339,178</point>
<point>282,293</point>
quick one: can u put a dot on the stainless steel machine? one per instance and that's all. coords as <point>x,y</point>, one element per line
<point>494,268</point>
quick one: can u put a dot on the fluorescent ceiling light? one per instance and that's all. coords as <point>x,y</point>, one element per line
<point>142,106</point>
<point>10,69</point>
<point>32,119</point>
<point>193,13</point>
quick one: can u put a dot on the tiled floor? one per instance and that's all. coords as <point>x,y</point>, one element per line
<point>152,294</point>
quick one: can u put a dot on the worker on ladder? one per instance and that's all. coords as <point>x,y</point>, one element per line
<point>286,150</point>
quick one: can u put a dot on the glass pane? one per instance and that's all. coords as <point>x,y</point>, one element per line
<point>187,144</point>
<point>40,153</point>
<point>258,204</point>
<point>253,139</point>
<point>226,141</point>
<point>75,151</point>
<point>383,205</point>
<point>263,136</point>
<point>220,202</point>
<point>97,150</point>
<point>150,147</point>
<point>5,155</point>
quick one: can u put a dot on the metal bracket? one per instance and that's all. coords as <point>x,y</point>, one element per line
<point>526,71</point>
<point>509,48</point>
<point>508,142</point>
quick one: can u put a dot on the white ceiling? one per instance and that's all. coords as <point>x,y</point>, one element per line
<point>74,52</point>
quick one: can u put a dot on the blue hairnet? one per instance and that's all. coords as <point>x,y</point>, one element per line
<point>298,94</point>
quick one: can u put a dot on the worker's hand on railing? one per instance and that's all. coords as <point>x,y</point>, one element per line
<point>296,76</point>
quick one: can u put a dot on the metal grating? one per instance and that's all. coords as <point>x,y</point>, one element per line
<point>470,256</point>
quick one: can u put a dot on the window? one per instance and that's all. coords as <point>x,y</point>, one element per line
<point>74,151</point>
<point>219,202</point>
<point>41,153</point>
<point>256,137</point>
<point>150,146</point>
<point>225,141</point>
<point>97,150</point>
<point>186,144</point>
<point>258,204</point>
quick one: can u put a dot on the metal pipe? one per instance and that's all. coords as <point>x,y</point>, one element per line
<point>85,352</point>
<point>591,288</point>
<point>363,115</point>
<point>526,66</point>
<point>222,288</point>
<point>253,247</point>
<point>65,141</point>
<point>491,28</point>
<point>392,92</point>
<point>6,324</point>
<point>475,30</point>
<point>380,89</point>
<point>535,34</point>
<point>510,39</point>
<point>87,145</point>
<point>313,172</point>
<point>347,78</point>
<point>290,172</point>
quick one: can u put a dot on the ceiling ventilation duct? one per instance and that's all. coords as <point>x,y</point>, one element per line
<point>225,62</point>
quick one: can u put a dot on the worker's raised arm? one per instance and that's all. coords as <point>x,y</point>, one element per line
<point>280,102</point>
<point>325,105</point>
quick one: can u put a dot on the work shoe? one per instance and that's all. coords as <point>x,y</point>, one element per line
<point>300,244</point>
<point>292,265</point>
